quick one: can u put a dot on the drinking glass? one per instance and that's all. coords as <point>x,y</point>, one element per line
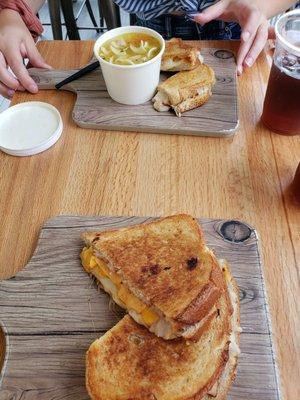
<point>281,111</point>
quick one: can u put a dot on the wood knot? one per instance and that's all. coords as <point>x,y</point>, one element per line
<point>235,231</point>
<point>223,54</point>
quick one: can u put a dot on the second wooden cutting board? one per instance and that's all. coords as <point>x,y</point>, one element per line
<point>95,109</point>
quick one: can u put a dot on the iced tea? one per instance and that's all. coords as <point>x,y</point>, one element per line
<point>281,112</point>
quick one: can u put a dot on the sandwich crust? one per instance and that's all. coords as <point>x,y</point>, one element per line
<point>223,384</point>
<point>180,56</point>
<point>166,265</point>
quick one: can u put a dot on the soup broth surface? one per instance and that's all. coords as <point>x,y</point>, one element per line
<point>130,49</point>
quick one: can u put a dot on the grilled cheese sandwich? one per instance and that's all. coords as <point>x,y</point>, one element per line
<point>185,90</point>
<point>147,367</point>
<point>161,273</point>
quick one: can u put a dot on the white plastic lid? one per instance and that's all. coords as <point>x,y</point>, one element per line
<point>29,128</point>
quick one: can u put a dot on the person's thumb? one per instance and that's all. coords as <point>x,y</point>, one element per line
<point>212,12</point>
<point>36,60</point>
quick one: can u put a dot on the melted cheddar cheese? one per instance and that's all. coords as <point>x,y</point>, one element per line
<point>99,269</point>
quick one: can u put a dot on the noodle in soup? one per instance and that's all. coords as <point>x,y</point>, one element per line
<point>130,49</point>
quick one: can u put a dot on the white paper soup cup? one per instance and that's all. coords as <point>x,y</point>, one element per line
<point>130,84</point>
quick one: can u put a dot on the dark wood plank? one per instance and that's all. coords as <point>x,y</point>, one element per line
<point>95,109</point>
<point>52,311</point>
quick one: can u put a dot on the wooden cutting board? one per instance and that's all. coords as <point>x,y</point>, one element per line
<point>95,109</point>
<point>52,311</point>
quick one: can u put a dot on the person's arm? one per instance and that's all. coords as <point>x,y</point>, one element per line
<point>253,18</point>
<point>17,43</point>
<point>35,5</point>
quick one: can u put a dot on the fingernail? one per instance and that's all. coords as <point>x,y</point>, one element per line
<point>33,88</point>
<point>10,92</point>
<point>245,36</point>
<point>249,61</point>
<point>48,66</point>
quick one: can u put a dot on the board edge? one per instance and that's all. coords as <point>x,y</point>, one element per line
<point>226,133</point>
<point>273,346</point>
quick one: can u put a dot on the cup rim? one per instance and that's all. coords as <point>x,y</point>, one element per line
<point>130,28</point>
<point>285,43</point>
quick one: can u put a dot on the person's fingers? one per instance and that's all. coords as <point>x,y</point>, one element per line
<point>9,87</point>
<point>243,51</point>
<point>8,79</point>
<point>35,58</point>
<point>23,50</point>
<point>2,60</point>
<point>15,61</point>
<point>212,12</point>
<point>257,45</point>
<point>250,24</point>
<point>249,29</point>
<point>5,76</point>
<point>6,91</point>
<point>21,88</point>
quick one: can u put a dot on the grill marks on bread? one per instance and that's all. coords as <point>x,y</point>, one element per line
<point>148,367</point>
<point>153,366</point>
<point>152,262</point>
<point>129,362</point>
<point>185,90</point>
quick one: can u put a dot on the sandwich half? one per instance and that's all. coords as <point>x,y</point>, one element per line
<point>185,90</point>
<point>180,56</point>
<point>161,272</point>
<point>129,362</point>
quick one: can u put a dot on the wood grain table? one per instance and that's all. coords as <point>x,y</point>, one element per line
<point>89,172</point>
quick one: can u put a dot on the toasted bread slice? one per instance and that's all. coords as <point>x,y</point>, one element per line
<point>222,385</point>
<point>161,272</point>
<point>185,90</point>
<point>186,84</point>
<point>129,362</point>
<point>180,56</point>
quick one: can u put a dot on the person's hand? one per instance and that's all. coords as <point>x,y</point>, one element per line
<point>253,22</point>
<point>16,43</point>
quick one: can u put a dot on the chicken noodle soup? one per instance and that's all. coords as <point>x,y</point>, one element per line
<point>130,49</point>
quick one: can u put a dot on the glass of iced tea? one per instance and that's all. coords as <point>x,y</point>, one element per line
<point>281,112</point>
